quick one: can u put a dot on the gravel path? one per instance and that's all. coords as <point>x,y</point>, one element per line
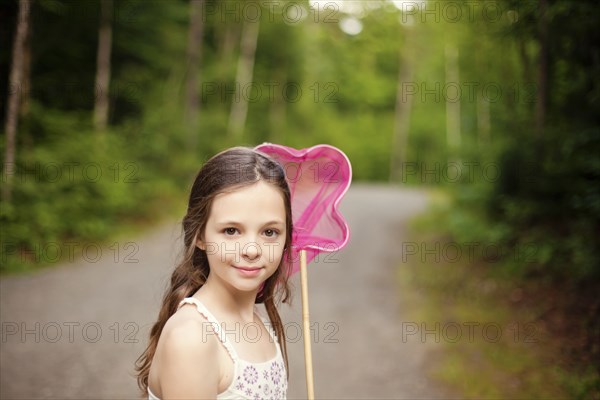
<point>74,331</point>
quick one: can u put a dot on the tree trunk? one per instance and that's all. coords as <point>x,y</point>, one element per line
<point>403,110</point>
<point>230,33</point>
<point>452,103</point>
<point>482,103</point>
<point>14,96</point>
<point>26,138</point>
<point>484,125</point>
<point>277,109</point>
<point>526,63</point>
<point>542,81</point>
<point>245,69</point>
<point>102,88</point>
<point>194,53</point>
<point>26,77</point>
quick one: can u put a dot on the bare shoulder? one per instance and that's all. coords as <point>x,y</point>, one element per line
<point>186,328</point>
<point>188,355</point>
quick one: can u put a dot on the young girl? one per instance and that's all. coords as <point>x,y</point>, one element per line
<point>209,341</point>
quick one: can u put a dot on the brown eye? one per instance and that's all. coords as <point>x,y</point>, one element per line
<point>270,233</point>
<point>230,231</point>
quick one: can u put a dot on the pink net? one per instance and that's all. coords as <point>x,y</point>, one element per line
<point>318,178</point>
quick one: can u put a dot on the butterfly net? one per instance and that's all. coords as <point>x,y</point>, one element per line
<point>318,177</point>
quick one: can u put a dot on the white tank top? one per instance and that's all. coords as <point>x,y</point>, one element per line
<point>266,380</point>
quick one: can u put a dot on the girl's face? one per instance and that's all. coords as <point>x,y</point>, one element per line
<point>245,235</point>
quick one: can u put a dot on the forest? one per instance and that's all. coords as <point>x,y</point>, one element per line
<point>109,108</point>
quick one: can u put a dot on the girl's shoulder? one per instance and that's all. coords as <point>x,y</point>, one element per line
<point>186,320</point>
<point>184,339</point>
<point>182,343</point>
<point>187,327</point>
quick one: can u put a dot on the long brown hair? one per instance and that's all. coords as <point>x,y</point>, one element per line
<point>224,172</point>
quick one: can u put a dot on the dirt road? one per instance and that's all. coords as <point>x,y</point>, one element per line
<point>74,331</point>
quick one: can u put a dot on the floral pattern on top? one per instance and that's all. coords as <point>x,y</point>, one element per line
<point>271,385</point>
<point>276,373</point>
<point>250,374</point>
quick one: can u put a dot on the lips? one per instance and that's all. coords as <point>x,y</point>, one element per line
<point>249,272</point>
<point>249,269</point>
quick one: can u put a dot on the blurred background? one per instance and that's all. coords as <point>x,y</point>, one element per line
<point>487,111</point>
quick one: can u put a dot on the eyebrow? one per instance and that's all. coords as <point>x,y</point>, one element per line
<point>273,222</point>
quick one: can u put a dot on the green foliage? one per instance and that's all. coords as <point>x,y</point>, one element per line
<point>549,195</point>
<point>78,187</point>
<point>543,207</point>
<point>521,362</point>
<point>330,87</point>
<point>72,183</point>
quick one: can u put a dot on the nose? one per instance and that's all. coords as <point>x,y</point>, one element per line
<point>251,250</point>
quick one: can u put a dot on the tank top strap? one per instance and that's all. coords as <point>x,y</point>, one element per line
<point>214,324</point>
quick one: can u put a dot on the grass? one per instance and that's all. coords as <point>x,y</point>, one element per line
<point>494,342</point>
<point>167,208</point>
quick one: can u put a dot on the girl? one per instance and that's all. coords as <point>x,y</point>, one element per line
<point>209,341</point>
